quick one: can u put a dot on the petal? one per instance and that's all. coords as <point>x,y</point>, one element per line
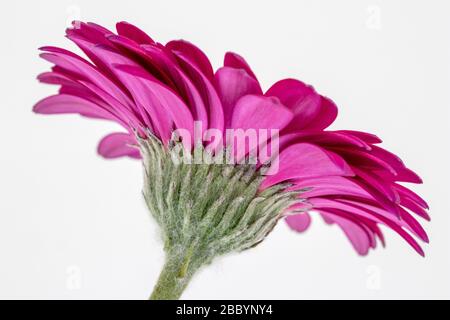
<point>116,145</point>
<point>163,105</point>
<point>63,103</point>
<point>194,54</point>
<point>364,159</point>
<point>367,137</point>
<point>232,84</point>
<point>206,89</point>
<point>382,185</point>
<point>414,225</point>
<point>414,207</point>
<point>259,112</point>
<point>327,114</point>
<point>331,185</point>
<point>89,31</point>
<point>86,36</point>
<point>85,70</point>
<point>183,84</point>
<point>304,160</point>
<point>154,67</point>
<point>236,61</point>
<point>299,222</point>
<point>355,232</point>
<point>134,33</point>
<point>300,98</point>
<point>323,138</point>
<point>403,191</point>
<point>370,212</point>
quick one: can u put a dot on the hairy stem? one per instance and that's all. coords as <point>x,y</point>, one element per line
<point>174,278</point>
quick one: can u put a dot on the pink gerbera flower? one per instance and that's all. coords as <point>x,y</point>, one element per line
<point>165,96</point>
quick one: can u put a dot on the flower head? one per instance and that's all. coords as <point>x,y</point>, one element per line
<point>154,90</point>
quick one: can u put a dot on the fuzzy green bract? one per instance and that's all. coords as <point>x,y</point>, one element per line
<point>205,209</point>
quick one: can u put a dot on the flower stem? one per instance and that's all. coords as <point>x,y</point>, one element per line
<point>174,277</point>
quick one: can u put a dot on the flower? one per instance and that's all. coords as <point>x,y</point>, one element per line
<point>153,90</point>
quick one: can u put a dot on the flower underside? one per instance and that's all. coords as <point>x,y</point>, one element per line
<point>207,210</point>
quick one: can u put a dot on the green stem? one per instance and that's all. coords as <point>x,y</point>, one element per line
<point>174,277</point>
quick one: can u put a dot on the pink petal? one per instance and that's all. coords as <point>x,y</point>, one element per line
<point>414,207</point>
<point>85,36</point>
<point>195,56</point>
<point>414,225</point>
<point>116,145</point>
<point>206,89</point>
<point>134,33</point>
<point>331,185</point>
<point>154,67</point>
<point>76,65</point>
<point>159,101</point>
<point>234,60</point>
<point>304,160</point>
<point>300,98</point>
<point>326,116</point>
<point>383,186</point>
<point>323,138</point>
<point>299,222</point>
<point>184,85</point>
<point>63,103</point>
<point>365,159</point>
<point>89,31</point>
<point>355,232</point>
<point>369,212</point>
<point>258,112</point>
<point>367,137</point>
<point>232,84</point>
<point>405,192</point>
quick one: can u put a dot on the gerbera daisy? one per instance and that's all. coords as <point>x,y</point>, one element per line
<point>223,160</point>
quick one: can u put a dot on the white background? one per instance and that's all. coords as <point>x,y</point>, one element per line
<point>73,225</point>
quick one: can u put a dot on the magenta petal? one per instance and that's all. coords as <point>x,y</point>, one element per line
<point>159,101</point>
<point>413,225</point>
<point>134,33</point>
<point>62,103</point>
<point>331,185</point>
<point>326,116</point>
<point>86,71</point>
<point>206,89</point>
<point>117,145</point>
<point>365,159</point>
<point>368,212</point>
<point>89,31</point>
<point>305,160</point>
<point>232,84</point>
<point>234,60</point>
<point>383,186</point>
<point>128,118</point>
<point>194,54</point>
<point>414,207</point>
<point>54,78</point>
<point>183,83</point>
<point>323,138</point>
<point>300,98</point>
<point>367,137</point>
<point>403,191</point>
<point>258,112</point>
<point>355,232</point>
<point>131,48</point>
<point>299,222</point>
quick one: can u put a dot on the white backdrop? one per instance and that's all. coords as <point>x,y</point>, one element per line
<point>73,225</point>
